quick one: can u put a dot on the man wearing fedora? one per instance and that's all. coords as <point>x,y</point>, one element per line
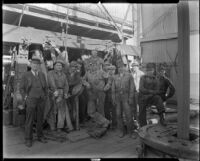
<point>33,88</point>
<point>58,91</point>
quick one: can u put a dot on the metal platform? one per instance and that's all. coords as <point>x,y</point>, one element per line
<point>165,140</point>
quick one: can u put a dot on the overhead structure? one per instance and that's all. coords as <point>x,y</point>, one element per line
<point>81,23</point>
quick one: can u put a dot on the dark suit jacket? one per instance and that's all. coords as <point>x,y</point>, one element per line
<point>27,81</point>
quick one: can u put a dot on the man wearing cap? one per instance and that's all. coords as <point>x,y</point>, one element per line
<point>165,84</point>
<point>137,74</point>
<point>110,110</point>
<point>149,95</point>
<point>33,88</point>
<point>58,87</point>
<point>122,94</point>
<point>95,81</point>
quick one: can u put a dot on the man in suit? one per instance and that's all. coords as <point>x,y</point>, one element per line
<point>33,88</point>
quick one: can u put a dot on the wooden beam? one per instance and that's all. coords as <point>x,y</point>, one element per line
<point>14,34</point>
<point>21,16</point>
<point>59,19</point>
<point>183,70</point>
<point>138,25</point>
<point>125,17</point>
<point>159,37</point>
<point>94,13</point>
<point>120,33</point>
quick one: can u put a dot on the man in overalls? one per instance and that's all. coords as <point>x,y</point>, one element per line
<point>58,87</point>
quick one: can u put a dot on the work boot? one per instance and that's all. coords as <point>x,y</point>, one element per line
<point>106,124</point>
<point>42,140</point>
<point>162,120</point>
<point>120,134</point>
<point>28,143</point>
<point>133,135</point>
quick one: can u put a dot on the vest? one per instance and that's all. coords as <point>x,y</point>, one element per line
<point>36,90</point>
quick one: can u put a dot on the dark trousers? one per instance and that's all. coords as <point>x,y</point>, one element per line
<point>145,101</point>
<point>34,106</point>
<point>123,106</point>
<point>110,110</point>
<point>83,105</point>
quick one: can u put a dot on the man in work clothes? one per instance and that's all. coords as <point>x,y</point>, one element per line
<point>137,74</point>
<point>166,88</point>
<point>149,95</point>
<point>110,109</point>
<point>94,80</point>
<point>58,87</point>
<point>122,94</point>
<point>33,88</point>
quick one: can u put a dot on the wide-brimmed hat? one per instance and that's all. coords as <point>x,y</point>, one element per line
<point>59,60</point>
<point>135,64</point>
<point>162,67</point>
<point>35,60</point>
<point>111,67</point>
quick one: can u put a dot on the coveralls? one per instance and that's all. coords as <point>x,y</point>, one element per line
<point>96,96</point>
<point>148,95</point>
<point>58,82</point>
<point>122,93</point>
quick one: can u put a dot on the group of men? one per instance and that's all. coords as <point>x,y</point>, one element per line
<point>112,98</point>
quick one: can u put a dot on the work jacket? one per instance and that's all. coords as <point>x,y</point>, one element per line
<point>97,79</point>
<point>123,87</point>
<point>148,86</point>
<point>164,85</point>
<point>57,81</point>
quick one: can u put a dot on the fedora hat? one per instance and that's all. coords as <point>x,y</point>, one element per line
<point>59,60</point>
<point>35,60</point>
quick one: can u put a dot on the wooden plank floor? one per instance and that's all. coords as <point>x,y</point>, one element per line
<point>108,146</point>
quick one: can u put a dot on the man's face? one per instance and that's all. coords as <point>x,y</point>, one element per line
<point>150,71</point>
<point>162,72</point>
<point>111,72</point>
<point>35,66</point>
<point>122,69</point>
<point>94,53</point>
<point>58,66</point>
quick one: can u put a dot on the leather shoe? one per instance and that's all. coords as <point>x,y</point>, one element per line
<point>42,140</point>
<point>28,143</point>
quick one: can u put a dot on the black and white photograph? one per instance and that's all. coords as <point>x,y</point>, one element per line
<point>100,80</point>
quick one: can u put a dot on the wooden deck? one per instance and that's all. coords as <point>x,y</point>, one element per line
<point>110,146</point>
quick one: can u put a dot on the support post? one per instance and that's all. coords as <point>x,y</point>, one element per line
<point>138,25</point>
<point>183,70</point>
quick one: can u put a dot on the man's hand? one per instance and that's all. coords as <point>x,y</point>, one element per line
<point>113,100</point>
<point>66,96</point>
<point>55,93</point>
<point>86,84</point>
<point>21,107</point>
<point>107,87</point>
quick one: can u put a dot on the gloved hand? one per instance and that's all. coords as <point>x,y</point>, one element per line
<point>66,95</point>
<point>107,87</point>
<point>86,84</point>
<point>55,93</point>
